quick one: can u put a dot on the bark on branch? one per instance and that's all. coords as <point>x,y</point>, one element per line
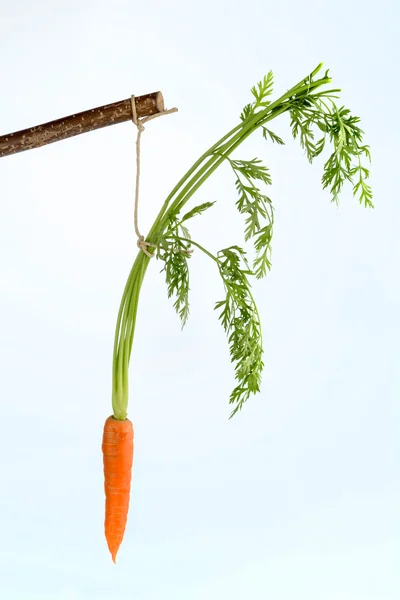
<point>82,122</point>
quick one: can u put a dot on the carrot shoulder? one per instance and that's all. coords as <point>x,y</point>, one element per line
<point>117,450</point>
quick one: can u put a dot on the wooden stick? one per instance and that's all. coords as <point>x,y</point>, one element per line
<point>82,122</point>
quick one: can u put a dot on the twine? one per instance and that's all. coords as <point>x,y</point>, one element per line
<point>141,242</point>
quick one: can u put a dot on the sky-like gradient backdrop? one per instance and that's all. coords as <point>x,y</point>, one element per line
<point>298,497</point>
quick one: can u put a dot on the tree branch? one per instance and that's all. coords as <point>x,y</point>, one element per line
<point>82,122</point>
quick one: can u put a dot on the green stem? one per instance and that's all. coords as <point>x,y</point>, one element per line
<point>177,198</point>
<point>124,333</point>
<point>192,242</point>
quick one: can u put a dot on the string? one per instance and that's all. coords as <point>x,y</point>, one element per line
<point>141,242</point>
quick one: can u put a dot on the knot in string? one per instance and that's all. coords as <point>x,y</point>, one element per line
<point>143,245</point>
<point>141,242</point>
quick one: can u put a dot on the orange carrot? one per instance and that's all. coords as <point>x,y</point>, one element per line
<point>117,450</point>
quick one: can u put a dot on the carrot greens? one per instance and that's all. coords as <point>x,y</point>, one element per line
<point>317,122</point>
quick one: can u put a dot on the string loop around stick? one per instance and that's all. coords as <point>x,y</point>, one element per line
<point>141,242</point>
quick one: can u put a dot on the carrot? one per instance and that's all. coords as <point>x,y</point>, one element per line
<point>169,240</point>
<point>117,448</point>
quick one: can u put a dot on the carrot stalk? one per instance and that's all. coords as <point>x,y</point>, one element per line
<point>117,448</point>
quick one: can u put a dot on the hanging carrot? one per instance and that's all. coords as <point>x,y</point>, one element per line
<point>312,112</point>
<point>117,450</point>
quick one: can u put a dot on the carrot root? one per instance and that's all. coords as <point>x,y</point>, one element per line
<point>117,448</point>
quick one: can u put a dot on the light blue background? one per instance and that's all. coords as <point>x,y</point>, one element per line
<point>295,499</point>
